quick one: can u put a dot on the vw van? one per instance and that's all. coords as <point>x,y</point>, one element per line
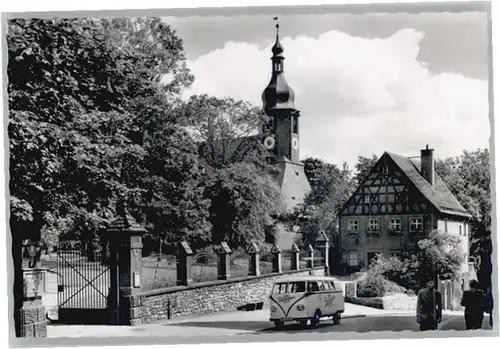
<point>306,299</point>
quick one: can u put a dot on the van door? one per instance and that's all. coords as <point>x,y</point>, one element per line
<point>313,301</point>
<point>329,298</point>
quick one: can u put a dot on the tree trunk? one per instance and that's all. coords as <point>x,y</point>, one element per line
<point>18,282</point>
<point>160,250</point>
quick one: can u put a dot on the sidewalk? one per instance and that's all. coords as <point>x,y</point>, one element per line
<point>241,322</point>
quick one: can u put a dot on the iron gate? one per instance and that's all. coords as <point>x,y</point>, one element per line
<point>83,284</point>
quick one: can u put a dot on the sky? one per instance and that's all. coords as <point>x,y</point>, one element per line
<point>364,83</point>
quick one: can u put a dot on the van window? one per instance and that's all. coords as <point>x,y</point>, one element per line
<point>327,286</point>
<point>279,288</point>
<point>332,284</point>
<point>297,286</point>
<point>313,286</point>
<point>321,285</point>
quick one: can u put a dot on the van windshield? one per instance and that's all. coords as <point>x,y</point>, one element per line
<point>279,288</point>
<point>290,287</point>
<point>297,286</point>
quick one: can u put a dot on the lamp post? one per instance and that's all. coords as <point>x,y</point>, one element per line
<point>33,250</point>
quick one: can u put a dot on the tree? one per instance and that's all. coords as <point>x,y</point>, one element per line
<point>225,130</point>
<point>173,201</point>
<point>468,178</point>
<point>363,167</point>
<point>440,256</point>
<point>77,95</point>
<point>330,188</point>
<point>243,201</point>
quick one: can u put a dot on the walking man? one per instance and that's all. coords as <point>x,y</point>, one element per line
<point>474,301</point>
<point>429,307</point>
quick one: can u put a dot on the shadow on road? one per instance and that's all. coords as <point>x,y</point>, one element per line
<point>230,325</point>
<point>360,325</point>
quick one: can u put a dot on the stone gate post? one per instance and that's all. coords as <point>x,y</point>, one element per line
<point>125,237</point>
<point>30,312</point>
<point>184,261</point>
<point>324,243</point>
<point>254,251</point>
<point>276,252</point>
<point>224,266</point>
<point>310,262</point>
<point>295,263</point>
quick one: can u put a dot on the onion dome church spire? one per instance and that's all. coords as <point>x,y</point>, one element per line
<point>278,94</point>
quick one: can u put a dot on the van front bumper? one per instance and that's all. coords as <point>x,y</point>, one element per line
<point>289,319</point>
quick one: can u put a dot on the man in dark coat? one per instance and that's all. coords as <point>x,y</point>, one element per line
<point>429,307</point>
<point>474,301</point>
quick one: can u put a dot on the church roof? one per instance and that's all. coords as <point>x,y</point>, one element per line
<point>278,94</point>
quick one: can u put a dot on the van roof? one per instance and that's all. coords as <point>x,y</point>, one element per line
<point>307,278</point>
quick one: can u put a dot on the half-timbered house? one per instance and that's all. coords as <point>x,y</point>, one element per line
<point>399,202</point>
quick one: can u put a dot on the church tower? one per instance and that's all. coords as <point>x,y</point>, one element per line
<point>280,130</point>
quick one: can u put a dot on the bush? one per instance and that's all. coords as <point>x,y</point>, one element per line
<point>405,273</point>
<point>377,286</point>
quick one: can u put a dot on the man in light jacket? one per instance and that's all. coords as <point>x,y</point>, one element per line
<point>429,307</point>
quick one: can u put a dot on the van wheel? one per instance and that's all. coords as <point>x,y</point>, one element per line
<point>315,319</point>
<point>278,324</point>
<point>336,319</point>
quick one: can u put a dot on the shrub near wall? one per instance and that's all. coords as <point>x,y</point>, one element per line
<point>213,297</point>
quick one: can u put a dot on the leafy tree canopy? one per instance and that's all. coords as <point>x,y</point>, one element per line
<point>83,95</point>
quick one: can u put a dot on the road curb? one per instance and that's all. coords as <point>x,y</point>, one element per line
<point>353,316</point>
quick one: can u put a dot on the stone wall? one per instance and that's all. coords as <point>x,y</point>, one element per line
<point>399,302</point>
<point>214,296</point>
<point>350,289</point>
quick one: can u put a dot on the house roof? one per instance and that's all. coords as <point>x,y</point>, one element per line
<point>438,195</point>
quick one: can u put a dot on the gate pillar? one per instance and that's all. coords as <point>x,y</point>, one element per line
<point>29,316</point>
<point>125,237</point>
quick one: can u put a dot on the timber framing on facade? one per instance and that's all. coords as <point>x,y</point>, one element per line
<point>395,185</point>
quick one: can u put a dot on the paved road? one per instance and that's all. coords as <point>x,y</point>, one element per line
<point>357,324</point>
<point>257,322</point>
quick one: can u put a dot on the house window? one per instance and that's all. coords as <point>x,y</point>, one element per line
<point>353,259</point>
<point>395,225</point>
<point>460,230</point>
<point>416,225</point>
<point>395,254</point>
<point>373,225</point>
<point>352,226</point>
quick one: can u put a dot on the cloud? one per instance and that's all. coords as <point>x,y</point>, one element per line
<point>357,96</point>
